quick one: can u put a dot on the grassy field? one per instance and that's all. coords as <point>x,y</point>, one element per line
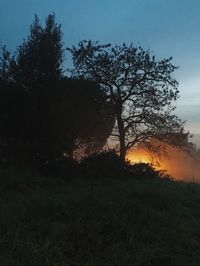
<point>106,222</point>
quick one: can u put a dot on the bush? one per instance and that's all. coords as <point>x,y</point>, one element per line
<point>145,170</point>
<point>109,165</point>
<point>64,167</point>
<point>105,164</point>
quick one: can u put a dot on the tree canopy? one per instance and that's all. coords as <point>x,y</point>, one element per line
<point>41,55</point>
<point>42,112</point>
<point>122,91</point>
<point>141,87</point>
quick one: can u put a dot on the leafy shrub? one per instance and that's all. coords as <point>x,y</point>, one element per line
<point>109,165</point>
<point>105,164</point>
<point>64,167</point>
<point>145,170</point>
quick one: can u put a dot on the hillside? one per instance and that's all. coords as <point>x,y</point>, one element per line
<point>133,221</point>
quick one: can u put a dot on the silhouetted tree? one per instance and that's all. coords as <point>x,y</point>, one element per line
<point>42,113</point>
<point>5,61</point>
<point>54,118</point>
<point>141,88</point>
<point>82,115</point>
<point>41,55</point>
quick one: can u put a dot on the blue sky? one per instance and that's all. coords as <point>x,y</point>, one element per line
<point>165,27</point>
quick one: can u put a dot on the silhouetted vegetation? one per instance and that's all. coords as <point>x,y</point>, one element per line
<point>109,165</point>
<point>41,55</point>
<point>141,87</point>
<point>81,221</point>
<point>104,165</point>
<point>64,200</point>
<point>44,115</point>
<point>146,170</point>
<point>120,91</point>
<point>54,119</point>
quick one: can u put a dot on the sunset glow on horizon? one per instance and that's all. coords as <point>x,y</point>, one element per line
<point>177,164</point>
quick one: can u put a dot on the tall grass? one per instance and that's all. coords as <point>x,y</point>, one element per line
<point>94,222</point>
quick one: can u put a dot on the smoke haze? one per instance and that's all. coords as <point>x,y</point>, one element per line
<point>178,164</point>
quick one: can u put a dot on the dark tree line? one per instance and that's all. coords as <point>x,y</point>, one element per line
<point>43,114</point>
<point>121,91</point>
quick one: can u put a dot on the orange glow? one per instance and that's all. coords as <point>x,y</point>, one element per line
<point>137,156</point>
<point>143,156</point>
<point>176,163</point>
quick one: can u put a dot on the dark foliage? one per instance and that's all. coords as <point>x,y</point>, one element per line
<point>57,168</point>
<point>141,87</point>
<point>144,170</point>
<point>109,165</point>
<point>104,165</point>
<point>89,114</point>
<point>41,55</point>
<point>47,221</point>
<point>42,113</point>
<point>54,118</point>
<point>46,117</point>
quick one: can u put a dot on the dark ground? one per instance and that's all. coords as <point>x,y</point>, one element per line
<point>106,222</point>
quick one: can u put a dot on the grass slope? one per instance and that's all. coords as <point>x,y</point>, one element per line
<point>114,222</point>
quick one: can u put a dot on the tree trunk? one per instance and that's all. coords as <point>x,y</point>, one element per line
<point>121,130</point>
<point>122,150</point>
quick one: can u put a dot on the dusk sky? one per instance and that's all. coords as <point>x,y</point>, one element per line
<point>165,27</point>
